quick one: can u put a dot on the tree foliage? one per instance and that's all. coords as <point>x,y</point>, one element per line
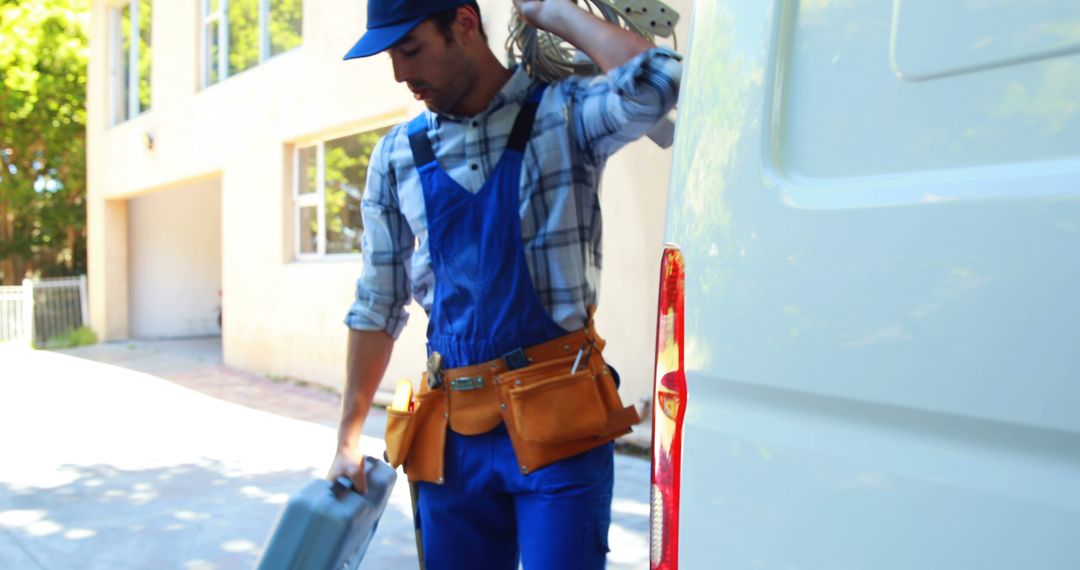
<point>286,23</point>
<point>284,30</point>
<point>243,35</point>
<point>43,59</point>
<point>345,165</point>
<point>347,162</point>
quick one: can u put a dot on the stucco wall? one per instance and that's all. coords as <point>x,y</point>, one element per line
<point>283,315</point>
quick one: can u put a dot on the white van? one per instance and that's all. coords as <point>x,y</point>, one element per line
<point>870,324</point>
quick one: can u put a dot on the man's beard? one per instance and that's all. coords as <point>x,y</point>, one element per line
<point>445,99</point>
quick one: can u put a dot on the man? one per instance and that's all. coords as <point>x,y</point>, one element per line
<point>485,210</point>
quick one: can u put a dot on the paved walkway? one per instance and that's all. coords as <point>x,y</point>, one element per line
<point>155,455</point>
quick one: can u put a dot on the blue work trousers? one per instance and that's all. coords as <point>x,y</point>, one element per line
<point>488,513</point>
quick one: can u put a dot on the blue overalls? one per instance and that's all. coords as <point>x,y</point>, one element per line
<point>485,306</point>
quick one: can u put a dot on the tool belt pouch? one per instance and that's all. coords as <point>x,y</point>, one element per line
<point>474,411</point>
<point>400,430</point>
<point>556,409</point>
<point>552,404</point>
<point>554,414</point>
<point>417,438</point>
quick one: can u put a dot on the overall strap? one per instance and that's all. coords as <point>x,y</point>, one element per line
<point>423,154</point>
<point>522,132</point>
<point>419,141</point>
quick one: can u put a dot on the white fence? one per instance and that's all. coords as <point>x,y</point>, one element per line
<point>40,310</point>
<point>16,314</point>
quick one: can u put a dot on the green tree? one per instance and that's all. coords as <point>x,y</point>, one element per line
<point>286,23</point>
<point>347,161</point>
<point>284,29</point>
<point>243,35</point>
<point>43,59</point>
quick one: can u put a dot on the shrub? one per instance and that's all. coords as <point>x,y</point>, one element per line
<point>75,337</point>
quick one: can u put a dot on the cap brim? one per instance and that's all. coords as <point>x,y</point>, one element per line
<point>378,40</point>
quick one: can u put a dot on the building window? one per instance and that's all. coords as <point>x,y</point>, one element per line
<point>240,34</point>
<point>327,189</point>
<point>131,56</point>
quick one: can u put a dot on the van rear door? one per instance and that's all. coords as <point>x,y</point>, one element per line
<point>879,208</point>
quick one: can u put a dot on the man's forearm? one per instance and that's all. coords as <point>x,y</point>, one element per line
<point>369,354</point>
<point>609,46</point>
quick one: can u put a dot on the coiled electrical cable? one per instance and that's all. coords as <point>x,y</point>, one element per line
<point>549,58</point>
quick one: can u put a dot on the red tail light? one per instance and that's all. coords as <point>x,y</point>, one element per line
<point>669,408</point>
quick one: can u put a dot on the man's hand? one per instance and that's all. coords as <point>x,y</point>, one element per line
<point>349,463</point>
<point>608,45</point>
<point>369,353</point>
<point>542,14</point>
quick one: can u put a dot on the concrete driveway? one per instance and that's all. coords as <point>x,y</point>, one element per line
<point>155,455</point>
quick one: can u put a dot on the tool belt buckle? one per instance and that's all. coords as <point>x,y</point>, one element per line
<point>467,383</point>
<point>516,359</point>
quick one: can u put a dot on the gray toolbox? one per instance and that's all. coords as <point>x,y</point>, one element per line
<point>328,525</point>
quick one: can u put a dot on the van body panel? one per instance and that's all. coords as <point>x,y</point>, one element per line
<point>784,479</point>
<point>931,39</point>
<point>929,85</point>
<point>881,292</point>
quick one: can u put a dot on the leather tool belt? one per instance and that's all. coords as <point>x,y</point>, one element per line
<point>557,399</point>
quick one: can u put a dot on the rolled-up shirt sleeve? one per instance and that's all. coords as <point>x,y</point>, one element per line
<point>619,107</point>
<point>382,291</point>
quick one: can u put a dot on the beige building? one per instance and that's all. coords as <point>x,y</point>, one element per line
<point>226,177</point>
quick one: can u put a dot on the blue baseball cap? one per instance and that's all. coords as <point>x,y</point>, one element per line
<point>389,20</point>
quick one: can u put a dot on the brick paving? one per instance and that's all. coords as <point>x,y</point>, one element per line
<point>197,364</point>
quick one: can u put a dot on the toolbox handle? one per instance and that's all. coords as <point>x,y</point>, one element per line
<point>341,485</point>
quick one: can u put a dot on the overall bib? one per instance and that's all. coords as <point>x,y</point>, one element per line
<point>485,306</point>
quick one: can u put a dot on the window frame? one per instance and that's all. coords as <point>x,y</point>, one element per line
<point>125,88</point>
<point>208,20</point>
<point>221,18</point>
<point>317,198</point>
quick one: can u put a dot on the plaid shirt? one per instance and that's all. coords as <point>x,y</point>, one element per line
<point>581,121</point>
